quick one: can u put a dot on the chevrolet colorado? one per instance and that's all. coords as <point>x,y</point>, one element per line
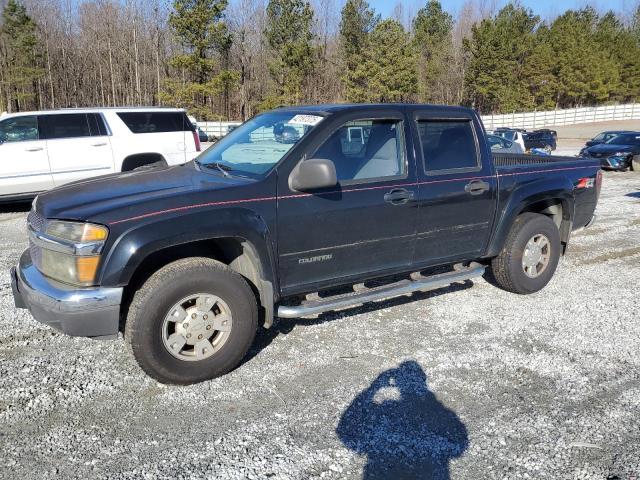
<point>299,211</point>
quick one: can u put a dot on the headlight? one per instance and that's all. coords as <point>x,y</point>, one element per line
<point>77,232</point>
<point>71,251</point>
<point>620,154</point>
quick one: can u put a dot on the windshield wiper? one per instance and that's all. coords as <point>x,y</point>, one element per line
<point>224,169</point>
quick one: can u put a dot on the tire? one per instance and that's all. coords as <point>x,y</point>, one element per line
<point>508,268</point>
<point>149,323</point>
<point>635,163</point>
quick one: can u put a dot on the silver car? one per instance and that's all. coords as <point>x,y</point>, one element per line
<point>502,145</point>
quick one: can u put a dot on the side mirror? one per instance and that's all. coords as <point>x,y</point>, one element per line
<point>314,174</point>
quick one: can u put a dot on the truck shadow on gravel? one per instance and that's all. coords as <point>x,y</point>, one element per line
<point>402,428</point>
<point>283,326</point>
<point>17,207</point>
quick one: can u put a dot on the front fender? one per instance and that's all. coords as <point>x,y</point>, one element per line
<point>135,244</point>
<point>525,194</point>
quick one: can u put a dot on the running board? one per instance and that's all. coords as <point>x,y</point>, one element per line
<point>418,283</point>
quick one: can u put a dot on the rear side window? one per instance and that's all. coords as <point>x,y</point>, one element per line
<point>156,122</point>
<point>19,129</point>
<point>448,145</point>
<point>97,125</point>
<point>67,125</point>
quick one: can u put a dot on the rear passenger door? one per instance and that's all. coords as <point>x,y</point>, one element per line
<point>457,191</point>
<point>78,146</point>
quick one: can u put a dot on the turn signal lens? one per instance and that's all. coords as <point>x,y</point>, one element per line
<point>86,268</point>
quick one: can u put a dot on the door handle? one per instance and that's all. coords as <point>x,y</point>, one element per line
<point>99,144</point>
<point>477,187</point>
<point>34,149</point>
<point>398,196</point>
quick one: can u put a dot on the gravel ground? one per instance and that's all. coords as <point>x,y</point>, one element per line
<point>465,382</point>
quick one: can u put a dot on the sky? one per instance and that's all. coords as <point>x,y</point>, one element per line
<point>545,8</point>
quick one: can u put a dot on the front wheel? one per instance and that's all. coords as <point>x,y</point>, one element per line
<point>193,320</point>
<point>530,255</point>
<point>635,163</point>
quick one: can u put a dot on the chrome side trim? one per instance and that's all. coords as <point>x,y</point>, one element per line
<point>404,287</point>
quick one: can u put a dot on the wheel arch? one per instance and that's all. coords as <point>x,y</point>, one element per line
<point>142,250</point>
<point>137,160</point>
<point>549,197</point>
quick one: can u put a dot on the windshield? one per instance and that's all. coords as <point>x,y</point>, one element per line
<point>625,139</point>
<point>507,135</point>
<point>256,146</point>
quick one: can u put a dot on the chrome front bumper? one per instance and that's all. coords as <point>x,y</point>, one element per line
<point>81,312</point>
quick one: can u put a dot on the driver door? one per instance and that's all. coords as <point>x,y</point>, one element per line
<point>365,225</point>
<point>24,164</point>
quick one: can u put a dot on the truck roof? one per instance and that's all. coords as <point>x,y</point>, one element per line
<point>340,107</point>
<point>90,109</point>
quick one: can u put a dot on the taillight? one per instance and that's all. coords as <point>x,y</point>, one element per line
<point>598,184</point>
<point>586,182</point>
<point>196,139</point>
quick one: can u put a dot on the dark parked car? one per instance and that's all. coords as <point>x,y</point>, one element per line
<point>618,153</point>
<point>550,132</point>
<point>202,135</point>
<point>604,137</point>
<point>541,139</point>
<point>509,129</point>
<point>362,203</point>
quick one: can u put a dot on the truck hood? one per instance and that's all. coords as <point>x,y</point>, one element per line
<point>88,198</point>
<point>609,149</point>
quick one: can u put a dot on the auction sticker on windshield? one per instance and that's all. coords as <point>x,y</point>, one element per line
<point>311,120</point>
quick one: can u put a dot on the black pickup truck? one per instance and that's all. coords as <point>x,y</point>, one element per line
<point>297,212</point>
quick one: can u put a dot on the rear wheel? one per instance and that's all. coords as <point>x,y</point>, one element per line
<point>193,320</point>
<point>530,255</point>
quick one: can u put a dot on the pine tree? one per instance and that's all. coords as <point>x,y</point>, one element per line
<point>357,22</point>
<point>585,73</point>
<point>20,58</point>
<point>390,64</point>
<point>498,48</point>
<point>288,34</point>
<point>202,32</point>
<point>432,35</point>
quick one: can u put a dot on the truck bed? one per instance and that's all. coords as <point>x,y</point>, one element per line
<point>525,160</point>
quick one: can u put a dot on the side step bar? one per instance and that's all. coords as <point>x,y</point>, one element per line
<point>418,283</point>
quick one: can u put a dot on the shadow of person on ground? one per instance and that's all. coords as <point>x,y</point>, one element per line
<point>402,428</point>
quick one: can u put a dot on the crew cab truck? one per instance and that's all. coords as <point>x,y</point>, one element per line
<point>299,211</point>
<point>42,150</point>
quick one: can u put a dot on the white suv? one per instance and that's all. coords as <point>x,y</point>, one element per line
<point>41,150</point>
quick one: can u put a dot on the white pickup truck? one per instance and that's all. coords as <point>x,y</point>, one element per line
<point>41,150</point>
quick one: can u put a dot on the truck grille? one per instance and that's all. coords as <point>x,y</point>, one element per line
<point>36,222</point>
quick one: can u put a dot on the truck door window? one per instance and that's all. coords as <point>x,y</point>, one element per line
<point>19,129</point>
<point>68,125</point>
<point>365,150</point>
<point>448,145</point>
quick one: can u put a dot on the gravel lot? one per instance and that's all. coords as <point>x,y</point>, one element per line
<point>465,382</point>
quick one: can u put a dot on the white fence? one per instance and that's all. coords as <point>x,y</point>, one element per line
<point>217,129</point>
<point>550,118</point>
<point>557,118</point>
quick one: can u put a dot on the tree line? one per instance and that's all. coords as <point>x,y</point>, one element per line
<point>224,60</point>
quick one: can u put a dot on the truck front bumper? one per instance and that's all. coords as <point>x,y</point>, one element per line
<point>81,312</point>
